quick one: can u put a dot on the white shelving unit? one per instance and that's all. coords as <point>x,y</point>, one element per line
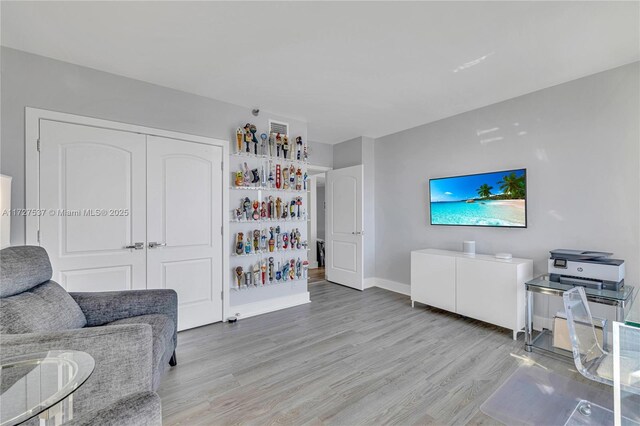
<point>245,301</point>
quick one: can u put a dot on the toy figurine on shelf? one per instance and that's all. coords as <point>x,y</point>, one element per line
<point>299,148</point>
<point>305,269</point>
<point>278,240</point>
<point>271,271</point>
<point>263,241</point>
<point>247,136</point>
<point>247,278</point>
<point>247,175</point>
<point>285,271</point>
<point>292,209</point>
<point>263,210</point>
<point>278,273</point>
<point>256,213</point>
<point>263,176</point>
<point>278,144</point>
<point>238,213</point>
<point>256,240</point>
<point>271,178</point>
<point>254,139</point>
<point>292,269</point>
<point>263,270</point>
<point>298,268</point>
<point>292,177</point>
<point>298,239</point>
<point>239,179</point>
<point>263,145</point>
<point>240,243</point>
<point>285,178</point>
<point>305,156</point>
<point>278,208</point>
<point>272,144</point>
<point>298,204</point>
<point>255,176</point>
<point>285,145</point>
<point>298,179</point>
<point>304,181</point>
<point>246,208</point>
<point>272,241</point>
<point>256,274</point>
<point>270,208</point>
<point>247,245</point>
<point>239,138</point>
<point>239,273</point>
<point>285,241</point>
<point>278,178</point>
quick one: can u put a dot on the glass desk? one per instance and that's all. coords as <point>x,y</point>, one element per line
<point>622,300</point>
<point>626,374</point>
<point>632,317</point>
<point>42,383</point>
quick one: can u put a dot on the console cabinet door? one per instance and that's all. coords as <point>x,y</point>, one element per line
<point>482,285</point>
<point>433,280</point>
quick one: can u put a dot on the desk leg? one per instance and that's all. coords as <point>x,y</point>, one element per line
<point>620,313</point>
<point>528,322</point>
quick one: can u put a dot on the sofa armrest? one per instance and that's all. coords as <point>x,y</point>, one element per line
<point>139,409</point>
<point>101,308</point>
<point>122,354</point>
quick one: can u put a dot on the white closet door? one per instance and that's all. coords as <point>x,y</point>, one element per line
<point>93,181</point>
<point>184,222</point>
<point>344,216</point>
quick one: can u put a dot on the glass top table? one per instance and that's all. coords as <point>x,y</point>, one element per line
<point>632,317</point>
<point>34,383</point>
<point>622,300</point>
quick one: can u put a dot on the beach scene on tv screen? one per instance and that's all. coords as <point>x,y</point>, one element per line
<point>488,199</point>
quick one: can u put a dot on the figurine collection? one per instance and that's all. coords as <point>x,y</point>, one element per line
<point>274,145</point>
<point>266,272</point>
<point>269,209</point>
<point>272,176</point>
<point>268,240</point>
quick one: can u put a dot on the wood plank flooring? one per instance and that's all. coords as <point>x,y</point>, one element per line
<point>347,358</point>
<point>316,275</point>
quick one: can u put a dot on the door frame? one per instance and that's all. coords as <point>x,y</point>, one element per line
<point>312,231</point>
<point>32,173</point>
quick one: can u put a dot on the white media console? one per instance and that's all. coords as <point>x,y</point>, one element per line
<point>477,286</point>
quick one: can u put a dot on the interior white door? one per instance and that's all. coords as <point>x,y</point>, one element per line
<point>93,192</point>
<point>344,233</point>
<point>184,223</point>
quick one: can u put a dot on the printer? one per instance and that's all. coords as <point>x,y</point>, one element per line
<point>592,269</point>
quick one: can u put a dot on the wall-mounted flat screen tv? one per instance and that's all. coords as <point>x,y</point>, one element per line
<point>486,199</point>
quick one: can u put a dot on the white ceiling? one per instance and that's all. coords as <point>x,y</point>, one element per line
<point>349,69</point>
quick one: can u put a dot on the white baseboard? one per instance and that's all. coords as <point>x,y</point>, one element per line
<point>394,286</point>
<point>249,310</point>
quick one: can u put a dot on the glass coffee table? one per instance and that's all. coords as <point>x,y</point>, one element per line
<point>42,384</point>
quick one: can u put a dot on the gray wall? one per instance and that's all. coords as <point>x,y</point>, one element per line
<point>320,154</point>
<point>580,144</point>
<point>320,215</point>
<point>36,81</point>
<point>347,153</point>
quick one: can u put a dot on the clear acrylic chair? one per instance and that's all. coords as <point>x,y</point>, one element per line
<point>591,360</point>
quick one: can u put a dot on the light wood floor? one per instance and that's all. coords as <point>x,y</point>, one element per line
<point>347,358</point>
<point>316,275</point>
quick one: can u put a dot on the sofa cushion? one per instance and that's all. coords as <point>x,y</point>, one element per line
<point>44,308</point>
<point>162,329</point>
<point>22,268</point>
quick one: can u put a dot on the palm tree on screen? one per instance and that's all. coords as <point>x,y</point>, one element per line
<point>484,191</point>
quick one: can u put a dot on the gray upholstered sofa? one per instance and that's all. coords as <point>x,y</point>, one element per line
<point>131,335</point>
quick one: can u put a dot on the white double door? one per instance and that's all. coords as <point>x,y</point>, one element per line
<point>127,211</point>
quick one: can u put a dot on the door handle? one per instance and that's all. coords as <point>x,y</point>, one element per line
<point>154,244</point>
<point>358,233</point>
<point>135,246</point>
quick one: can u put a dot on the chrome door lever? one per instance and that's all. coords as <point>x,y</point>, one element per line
<point>154,244</point>
<point>135,246</point>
